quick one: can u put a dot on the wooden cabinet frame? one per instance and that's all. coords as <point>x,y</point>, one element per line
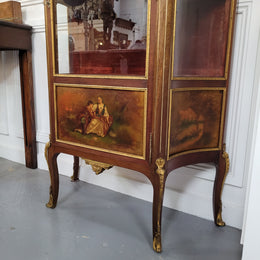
<point>159,84</point>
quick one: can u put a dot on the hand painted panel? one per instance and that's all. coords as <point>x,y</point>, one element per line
<point>196,118</point>
<point>108,119</point>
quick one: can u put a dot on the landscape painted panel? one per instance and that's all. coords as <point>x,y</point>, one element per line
<point>111,119</point>
<point>195,121</point>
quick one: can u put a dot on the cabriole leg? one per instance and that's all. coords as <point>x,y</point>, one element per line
<point>75,176</point>
<point>221,172</point>
<point>51,158</point>
<point>157,204</point>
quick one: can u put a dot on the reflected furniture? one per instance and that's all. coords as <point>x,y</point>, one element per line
<point>18,37</point>
<point>146,92</point>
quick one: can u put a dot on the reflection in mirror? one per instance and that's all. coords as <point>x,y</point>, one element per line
<point>101,36</point>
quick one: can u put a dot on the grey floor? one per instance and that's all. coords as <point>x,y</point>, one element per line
<point>94,223</point>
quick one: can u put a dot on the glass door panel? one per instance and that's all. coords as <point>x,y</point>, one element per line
<point>201,38</point>
<point>107,37</point>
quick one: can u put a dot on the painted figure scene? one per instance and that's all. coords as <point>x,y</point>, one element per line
<point>95,119</point>
<point>102,119</point>
<point>195,120</point>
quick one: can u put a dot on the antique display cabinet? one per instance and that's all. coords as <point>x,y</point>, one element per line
<point>140,84</point>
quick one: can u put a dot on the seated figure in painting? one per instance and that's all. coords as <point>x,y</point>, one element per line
<point>101,121</point>
<point>85,118</point>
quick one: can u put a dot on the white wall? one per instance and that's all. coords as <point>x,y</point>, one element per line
<point>11,137</point>
<point>190,188</point>
<point>251,230</point>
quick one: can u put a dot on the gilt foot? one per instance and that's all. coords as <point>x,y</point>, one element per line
<point>219,220</point>
<point>51,203</point>
<point>157,243</point>
<point>73,179</point>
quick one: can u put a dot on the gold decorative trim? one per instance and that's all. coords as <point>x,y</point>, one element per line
<point>50,204</point>
<point>231,24</point>
<point>169,126</point>
<point>224,98</point>
<point>219,220</point>
<point>98,167</point>
<point>73,179</point>
<point>148,29</point>
<point>141,89</point>
<point>100,149</point>
<point>173,39</point>
<point>55,110</point>
<point>221,121</point>
<point>193,151</point>
<point>98,76</point>
<point>160,78</point>
<point>144,90</point>
<point>157,243</point>
<point>53,24</point>
<point>198,78</point>
<point>228,48</point>
<point>48,47</point>
<point>47,146</point>
<point>226,157</point>
<point>160,163</point>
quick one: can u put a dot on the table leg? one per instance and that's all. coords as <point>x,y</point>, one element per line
<point>25,58</point>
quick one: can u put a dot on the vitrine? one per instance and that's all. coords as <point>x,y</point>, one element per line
<point>140,84</point>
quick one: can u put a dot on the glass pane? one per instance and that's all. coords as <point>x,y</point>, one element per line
<point>101,36</point>
<point>201,38</point>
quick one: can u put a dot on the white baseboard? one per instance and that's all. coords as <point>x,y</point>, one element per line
<point>12,153</point>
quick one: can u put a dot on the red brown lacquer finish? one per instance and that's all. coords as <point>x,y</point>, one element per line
<point>151,102</point>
